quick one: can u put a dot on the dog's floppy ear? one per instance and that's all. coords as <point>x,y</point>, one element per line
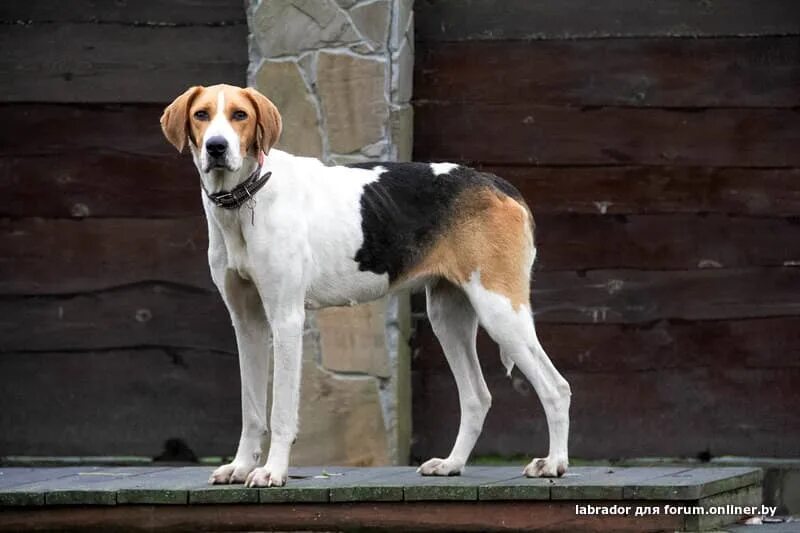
<point>268,123</point>
<point>175,120</point>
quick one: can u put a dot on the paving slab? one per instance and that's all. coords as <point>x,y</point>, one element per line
<point>96,487</point>
<point>81,486</point>
<point>305,485</point>
<point>694,483</point>
<point>516,486</point>
<point>369,485</point>
<point>163,487</point>
<point>604,483</point>
<point>14,476</point>
<point>311,484</point>
<point>463,487</point>
<point>18,486</point>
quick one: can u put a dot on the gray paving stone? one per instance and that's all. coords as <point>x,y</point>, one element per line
<point>80,486</point>
<point>19,486</point>
<point>369,485</point>
<point>219,494</point>
<point>305,485</point>
<point>515,486</point>
<point>168,486</point>
<point>11,476</point>
<point>603,483</point>
<point>97,487</point>
<point>693,484</point>
<point>463,487</point>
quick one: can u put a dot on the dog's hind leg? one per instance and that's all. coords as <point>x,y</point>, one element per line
<point>455,324</point>
<point>513,329</point>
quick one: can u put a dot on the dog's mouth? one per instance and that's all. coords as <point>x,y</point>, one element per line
<point>219,165</point>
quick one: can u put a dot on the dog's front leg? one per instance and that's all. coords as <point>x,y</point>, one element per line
<point>287,320</point>
<point>252,339</point>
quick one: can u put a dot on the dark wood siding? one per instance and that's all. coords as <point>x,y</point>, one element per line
<point>112,338</point>
<point>657,144</point>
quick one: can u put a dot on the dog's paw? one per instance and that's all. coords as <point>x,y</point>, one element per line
<point>266,476</point>
<point>230,473</point>
<point>440,467</point>
<point>546,467</point>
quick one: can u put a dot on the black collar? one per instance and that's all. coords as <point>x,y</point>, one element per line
<point>239,195</point>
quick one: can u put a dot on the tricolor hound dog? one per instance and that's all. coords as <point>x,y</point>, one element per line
<point>289,233</point>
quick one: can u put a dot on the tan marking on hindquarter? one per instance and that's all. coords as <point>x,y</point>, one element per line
<point>490,233</point>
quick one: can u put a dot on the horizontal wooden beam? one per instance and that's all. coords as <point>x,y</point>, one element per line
<point>656,190</point>
<point>79,63</point>
<point>634,296</point>
<point>459,20</point>
<point>103,185</point>
<point>130,401</point>
<point>430,516</point>
<point>140,315</point>
<point>663,72</point>
<point>526,133</point>
<point>686,242</point>
<point>140,12</point>
<point>52,129</point>
<point>70,256</point>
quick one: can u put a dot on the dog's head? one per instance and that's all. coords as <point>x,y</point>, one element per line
<point>222,124</point>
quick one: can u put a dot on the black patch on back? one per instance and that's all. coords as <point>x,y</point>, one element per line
<point>407,208</point>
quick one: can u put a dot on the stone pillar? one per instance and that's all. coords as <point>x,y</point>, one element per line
<point>340,74</point>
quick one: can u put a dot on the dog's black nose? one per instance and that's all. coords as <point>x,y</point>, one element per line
<point>216,146</point>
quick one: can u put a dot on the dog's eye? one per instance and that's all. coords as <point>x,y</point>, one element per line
<point>239,115</point>
<point>201,115</point>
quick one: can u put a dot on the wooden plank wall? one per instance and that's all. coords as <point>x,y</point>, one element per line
<point>657,143</point>
<point>112,339</point>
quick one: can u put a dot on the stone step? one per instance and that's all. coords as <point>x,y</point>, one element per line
<point>391,498</point>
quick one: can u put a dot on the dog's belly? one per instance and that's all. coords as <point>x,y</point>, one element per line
<point>342,286</point>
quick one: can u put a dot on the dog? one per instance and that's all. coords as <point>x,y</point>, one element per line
<point>288,233</point>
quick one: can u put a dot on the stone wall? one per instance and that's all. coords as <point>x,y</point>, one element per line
<point>340,73</point>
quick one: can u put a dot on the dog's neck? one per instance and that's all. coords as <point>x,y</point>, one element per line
<point>221,179</point>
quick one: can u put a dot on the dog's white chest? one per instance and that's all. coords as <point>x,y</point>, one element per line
<point>238,260</point>
<point>236,253</point>
<point>228,245</point>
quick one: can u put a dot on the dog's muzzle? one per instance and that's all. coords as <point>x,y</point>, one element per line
<point>217,149</point>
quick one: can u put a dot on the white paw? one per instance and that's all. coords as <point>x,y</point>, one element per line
<point>266,476</point>
<point>440,467</point>
<point>546,467</point>
<point>230,473</point>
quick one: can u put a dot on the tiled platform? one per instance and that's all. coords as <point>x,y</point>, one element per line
<point>392,498</point>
